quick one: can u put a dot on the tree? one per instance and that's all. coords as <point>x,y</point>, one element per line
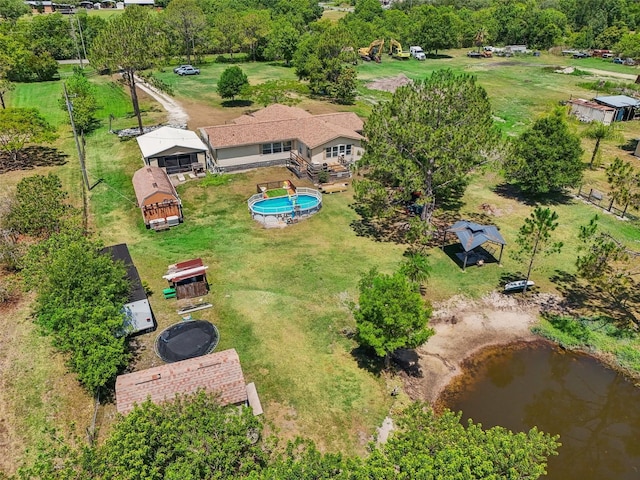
<point>628,46</point>
<point>80,295</point>
<point>231,82</point>
<point>190,438</point>
<point>442,447</point>
<point>12,10</point>
<point>283,41</point>
<point>534,237</point>
<point>21,126</point>
<point>424,143</point>
<point>546,158</point>
<point>286,92</point>
<point>5,87</point>
<point>609,266</point>
<point>599,131</point>
<point>40,207</point>
<point>344,89</point>
<point>228,30</point>
<point>255,26</point>
<point>129,42</point>
<point>187,21</point>
<point>82,95</point>
<point>416,268</point>
<point>625,184</point>
<point>391,314</point>
<point>435,28</point>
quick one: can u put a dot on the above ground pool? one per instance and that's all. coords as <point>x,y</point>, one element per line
<point>187,340</point>
<point>286,209</point>
<point>285,204</point>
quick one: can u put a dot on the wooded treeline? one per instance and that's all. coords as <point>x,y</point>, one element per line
<point>277,29</point>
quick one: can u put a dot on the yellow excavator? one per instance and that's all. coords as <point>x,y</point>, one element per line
<point>373,51</point>
<point>395,50</point>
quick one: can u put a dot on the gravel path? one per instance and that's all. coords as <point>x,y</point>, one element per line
<point>177,116</point>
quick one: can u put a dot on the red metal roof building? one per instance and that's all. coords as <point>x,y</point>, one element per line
<point>218,373</point>
<point>188,278</point>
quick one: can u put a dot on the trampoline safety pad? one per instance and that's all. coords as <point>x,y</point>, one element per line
<point>185,340</point>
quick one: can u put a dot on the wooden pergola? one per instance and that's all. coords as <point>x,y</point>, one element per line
<point>471,235</point>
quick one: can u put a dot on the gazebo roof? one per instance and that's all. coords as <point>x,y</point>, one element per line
<point>472,235</point>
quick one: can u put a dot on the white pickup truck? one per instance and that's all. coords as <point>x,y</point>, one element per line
<point>417,53</point>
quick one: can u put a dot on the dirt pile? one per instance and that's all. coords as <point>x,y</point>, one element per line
<point>389,84</point>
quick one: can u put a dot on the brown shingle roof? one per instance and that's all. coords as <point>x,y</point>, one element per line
<point>313,130</point>
<point>217,373</point>
<point>149,180</point>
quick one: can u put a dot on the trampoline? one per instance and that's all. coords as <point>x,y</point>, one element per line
<point>187,340</point>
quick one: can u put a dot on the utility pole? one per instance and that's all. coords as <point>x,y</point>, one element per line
<point>84,49</point>
<point>85,178</point>
<point>75,40</point>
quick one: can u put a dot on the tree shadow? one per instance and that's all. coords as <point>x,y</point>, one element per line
<point>630,145</point>
<point>393,229</point>
<point>237,103</point>
<point>437,56</point>
<point>583,296</point>
<point>32,157</point>
<point>408,361</point>
<point>368,360</point>
<point>513,192</point>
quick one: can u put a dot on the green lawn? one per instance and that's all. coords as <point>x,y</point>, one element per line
<point>281,297</point>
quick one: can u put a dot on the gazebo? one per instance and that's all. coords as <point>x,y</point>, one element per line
<point>472,235</point>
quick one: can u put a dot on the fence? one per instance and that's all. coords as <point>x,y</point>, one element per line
<point>604,201</point>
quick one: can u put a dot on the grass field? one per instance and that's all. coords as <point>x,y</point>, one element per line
<point>281,297</point>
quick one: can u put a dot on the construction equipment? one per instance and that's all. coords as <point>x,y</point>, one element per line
<point>395,50</point>
<point>373,51</point>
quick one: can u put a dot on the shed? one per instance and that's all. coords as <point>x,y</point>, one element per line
<point>174,149</point>
<point>157,198</point>
<point>189,279</point>
<point>471,235</point>
<point>139,317</point>
<point>626,108</point>
<point>219,373</point>
<point>587,111</point>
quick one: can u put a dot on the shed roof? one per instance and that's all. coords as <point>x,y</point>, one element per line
<point>183,270</point>
<point>472,235</point>
<point>218,373</point>
<point>278,123</point>
<point>121,252</point>
<point>618,101</point>
<point>586,103</point>
<point>162,139</point>
<point>150,180</point>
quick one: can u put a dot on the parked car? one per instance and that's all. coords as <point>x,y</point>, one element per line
<point>618,60</point>
<point>581,55</point>
<point>175,70</point>
<point>189,71</point>
<point>417,53</point>
<point>474,54</point>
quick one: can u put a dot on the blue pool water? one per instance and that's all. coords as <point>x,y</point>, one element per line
<point>284,205</point>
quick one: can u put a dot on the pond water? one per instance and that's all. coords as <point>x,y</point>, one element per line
<point>595,410</point>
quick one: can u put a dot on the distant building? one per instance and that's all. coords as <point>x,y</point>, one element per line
<point>626,108</point>
<point>516,48</point>
<point>173,149</point>
<point>588,111</point>
<point>157,198</point>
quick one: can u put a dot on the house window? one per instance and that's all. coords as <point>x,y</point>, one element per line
<point>276,147</point>
<point>338,151</point>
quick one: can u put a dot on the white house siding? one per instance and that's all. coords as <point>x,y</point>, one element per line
<point>588,114</point>
<point>248,156</point>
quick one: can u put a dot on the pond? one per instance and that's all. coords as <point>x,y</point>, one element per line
<point>594,409</point>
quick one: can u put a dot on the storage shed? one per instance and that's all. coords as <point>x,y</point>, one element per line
<point>626,108</point>
<point>219,373</point>
<point>188,279</point>
<point>157,198</point>
<point>587,111</point>
<point>139,317</point>
<point>174,149</point>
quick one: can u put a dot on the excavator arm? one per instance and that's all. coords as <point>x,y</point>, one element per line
<point>373,51</point>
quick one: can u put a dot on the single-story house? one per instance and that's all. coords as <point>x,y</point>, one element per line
<point>41,7</point>
<point>144,3</point>
<point>627,108</point>
<point>139,317</point>
<point>157,198</point>
<point>219,373</point>
<point>588,111</point>
<point>188,279</point>
<point>278,134</point>
<point>173,149</point>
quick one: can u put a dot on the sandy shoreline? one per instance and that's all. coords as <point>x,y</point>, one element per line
<point>464,327</point>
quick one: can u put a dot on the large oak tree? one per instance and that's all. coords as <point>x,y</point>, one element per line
<point>424,143</point>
